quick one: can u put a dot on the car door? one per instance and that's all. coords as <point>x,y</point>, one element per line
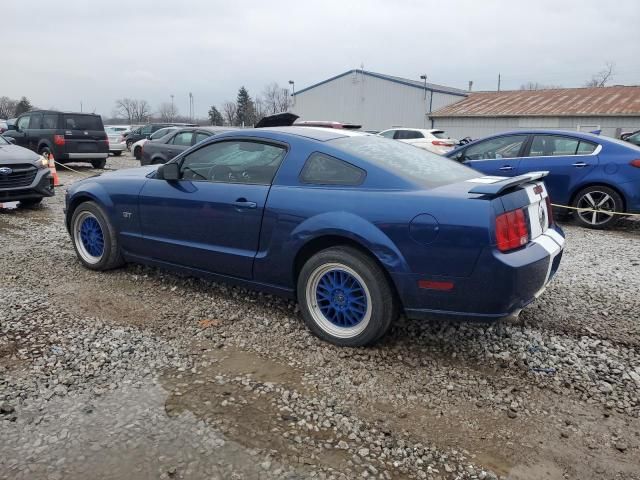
<point>35,131</point>
<point>498,156</point>
<point>21,133</point>
<point>567,159</point>
<point>210,218</point>
<point>177,144</point>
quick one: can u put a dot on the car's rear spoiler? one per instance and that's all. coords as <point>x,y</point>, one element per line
<point>498,186</point>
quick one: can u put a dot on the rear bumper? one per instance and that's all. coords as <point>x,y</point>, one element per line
<point>42,186</point>
<point>501,285</point>
<point>117,147</point>
<point>86,156</point>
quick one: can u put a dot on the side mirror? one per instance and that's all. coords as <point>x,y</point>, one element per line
<point>11,126</point>
<point>169,172</point>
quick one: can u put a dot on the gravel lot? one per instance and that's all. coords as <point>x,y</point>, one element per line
<point>138,373</point>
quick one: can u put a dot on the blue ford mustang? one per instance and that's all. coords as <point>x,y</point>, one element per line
<point>598,175</point>
<point>359,228</point>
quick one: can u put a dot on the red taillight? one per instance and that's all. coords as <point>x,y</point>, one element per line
<point>635,163</point>
<point>58,139</point>
<point>441,143</point>
<point>549,210</point>
<point>511,230</point>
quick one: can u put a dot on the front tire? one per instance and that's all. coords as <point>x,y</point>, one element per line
<point>31,202</point>
<point>345,297</point>
<point>137,152</point>
<point>604,201</point>
<point>94,238</point>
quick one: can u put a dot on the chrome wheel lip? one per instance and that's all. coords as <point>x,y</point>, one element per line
<point>77,238</point>
<point>602,202</point>
<point>318,316</point>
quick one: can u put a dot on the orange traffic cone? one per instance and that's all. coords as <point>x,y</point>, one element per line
<point>54,172</point>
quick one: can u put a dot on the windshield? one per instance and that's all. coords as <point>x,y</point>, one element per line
<point>414,164</point>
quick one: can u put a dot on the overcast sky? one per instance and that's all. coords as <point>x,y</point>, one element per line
<point>59,53</point>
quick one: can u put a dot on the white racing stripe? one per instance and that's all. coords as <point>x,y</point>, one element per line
<point>487,179</point>
<point>553,243</point>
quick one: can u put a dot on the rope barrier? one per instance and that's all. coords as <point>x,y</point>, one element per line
<point>606,212</point>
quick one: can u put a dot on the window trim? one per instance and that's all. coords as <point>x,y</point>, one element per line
<point>596,151</point>
<point>363,177</point>
<point>267,141</point>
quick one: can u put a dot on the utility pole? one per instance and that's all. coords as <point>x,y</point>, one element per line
<point>191,106</point>
<point>470,84</point>
<point>498,82</point>
<point>172,110</point>
<point>293,91</point>
<point>423,77</point>
<point>80,106</point>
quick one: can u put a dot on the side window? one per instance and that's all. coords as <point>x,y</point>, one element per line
<point>182,139</point>
<point>388,134</point>
<point>146,130</point>
<point>321,169</point>
<point>495,148</point>
<point>586,148</point>
<point>50,121</point>
<point>36,121</point>
<point>408,135</point>
<point>200,136</point>
<point>23,122</point>
<point>553,146</point>
<point>233,161</point>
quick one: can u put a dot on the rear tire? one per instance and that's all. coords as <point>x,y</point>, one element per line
<point>94,238</point>
<point>604,200</point>
<point>137,152</point>
<point>345,297</point>
<point>99,163</point>
<point>117,154</point>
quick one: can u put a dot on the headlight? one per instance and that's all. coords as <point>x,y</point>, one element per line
<point>42,162</point>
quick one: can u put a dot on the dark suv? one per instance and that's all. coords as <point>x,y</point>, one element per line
<point>71,137</point>
<point>146,130</point>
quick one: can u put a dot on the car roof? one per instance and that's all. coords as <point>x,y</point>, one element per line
<point>63,112</point>
<point>320,134</point>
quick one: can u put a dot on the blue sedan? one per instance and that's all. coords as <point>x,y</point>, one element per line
<point>358,228</point>
<point>598,175</point>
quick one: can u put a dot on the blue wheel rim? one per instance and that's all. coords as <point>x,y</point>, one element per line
<point>92,237</point>
<point>341,298</point>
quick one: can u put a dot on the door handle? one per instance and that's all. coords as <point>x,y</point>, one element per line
<point>580,164</point>
<point>243,203</point>
<point>506,167</point>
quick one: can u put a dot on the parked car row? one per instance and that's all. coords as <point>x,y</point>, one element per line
<point>598,176</point>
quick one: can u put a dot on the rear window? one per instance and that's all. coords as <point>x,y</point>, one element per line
<point>321,169</point>
<point>440,134</point>
<point>82,122</point>
<point>414,164</point>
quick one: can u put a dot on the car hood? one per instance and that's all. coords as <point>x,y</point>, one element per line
<point>16,154</point>
<point>140,172</point>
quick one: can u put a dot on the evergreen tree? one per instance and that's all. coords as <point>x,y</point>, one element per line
<point>246,110</point>
<point>23,106</point>
<point>215,117</point>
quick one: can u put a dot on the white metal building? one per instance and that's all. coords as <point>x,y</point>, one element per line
<point>612,110</point>
<point>373,100</point>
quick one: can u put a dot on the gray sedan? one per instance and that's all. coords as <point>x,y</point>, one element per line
<point>164,149</point>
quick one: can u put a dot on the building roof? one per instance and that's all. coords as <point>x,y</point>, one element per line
<point>615,101</point>
<point>404,81</point>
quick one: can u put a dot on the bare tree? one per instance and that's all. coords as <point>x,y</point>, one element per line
<point>7,107</point>
<point>135,111</point>
<point>167,112</point>
<point>230,112</point>
<point>537,86</point>
<point>260,108</point>
<point>276,98</point>
<point>125,108</point>
<point>142,111</point>
<point>601,78</point>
